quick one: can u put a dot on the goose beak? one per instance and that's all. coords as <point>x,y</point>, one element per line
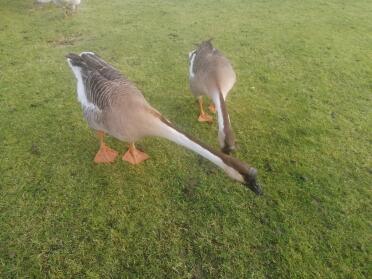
<point>256,188</point>
<point>251,182</point>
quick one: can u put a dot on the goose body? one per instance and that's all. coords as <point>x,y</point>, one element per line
<point>112,104</point>
<point>105,94</point>
<point>211,74</point>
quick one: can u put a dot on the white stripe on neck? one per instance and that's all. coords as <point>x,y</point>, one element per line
<point>221,126</point>
<point>81,88</point>
<point>192,56</point>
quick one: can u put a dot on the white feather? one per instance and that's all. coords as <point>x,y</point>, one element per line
<point>87,52</point>
<point>81,88</point>
<point>192,55</point>
<point>221,126</point>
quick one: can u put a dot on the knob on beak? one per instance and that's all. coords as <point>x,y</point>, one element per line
<point>227,149</point>
<point>251,182</point>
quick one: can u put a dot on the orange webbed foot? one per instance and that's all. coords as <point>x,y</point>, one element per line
<point>135,156</point>
<point>205,118</point>
<point>105,155</point>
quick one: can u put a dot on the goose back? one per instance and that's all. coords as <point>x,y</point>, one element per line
<point>210,71</point>
<point>110,102</point>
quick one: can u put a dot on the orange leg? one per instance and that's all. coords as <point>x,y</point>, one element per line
<point>134,156</point>
<point>105,154</point>
<point>212,108</point>
<point>203,117</point>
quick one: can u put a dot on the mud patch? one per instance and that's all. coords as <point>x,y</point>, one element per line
<point>64,41</point>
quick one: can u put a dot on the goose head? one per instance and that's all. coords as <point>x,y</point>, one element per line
<point>245,174</point>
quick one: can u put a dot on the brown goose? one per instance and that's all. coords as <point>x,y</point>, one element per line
<point>113,105</point>
<point>211,74</point>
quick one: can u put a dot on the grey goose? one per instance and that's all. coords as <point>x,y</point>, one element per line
<point>211,74</point>
<point>113,105</point>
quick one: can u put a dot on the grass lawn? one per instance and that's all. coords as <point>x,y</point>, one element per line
<point>301,111</point>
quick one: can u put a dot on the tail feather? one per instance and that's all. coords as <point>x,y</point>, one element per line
<point>75,60</point>
<point>94,59</point>
<point>85,59</point>
<point>91,62</point>
<point>97,63</point>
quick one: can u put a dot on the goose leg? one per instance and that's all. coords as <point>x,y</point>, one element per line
<point>134,156</point>
<point>74,9</point>
<point>212,108</point>
<point>105,154</point>
<point>203,117</point>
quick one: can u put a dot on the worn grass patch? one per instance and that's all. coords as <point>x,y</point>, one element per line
<point>301,110</point>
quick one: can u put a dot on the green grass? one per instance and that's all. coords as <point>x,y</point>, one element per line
<point>301,111</point>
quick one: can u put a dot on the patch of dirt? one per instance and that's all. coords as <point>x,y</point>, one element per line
<point>63,41</point>
<point>189,187</point>
<point>35,149</point>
